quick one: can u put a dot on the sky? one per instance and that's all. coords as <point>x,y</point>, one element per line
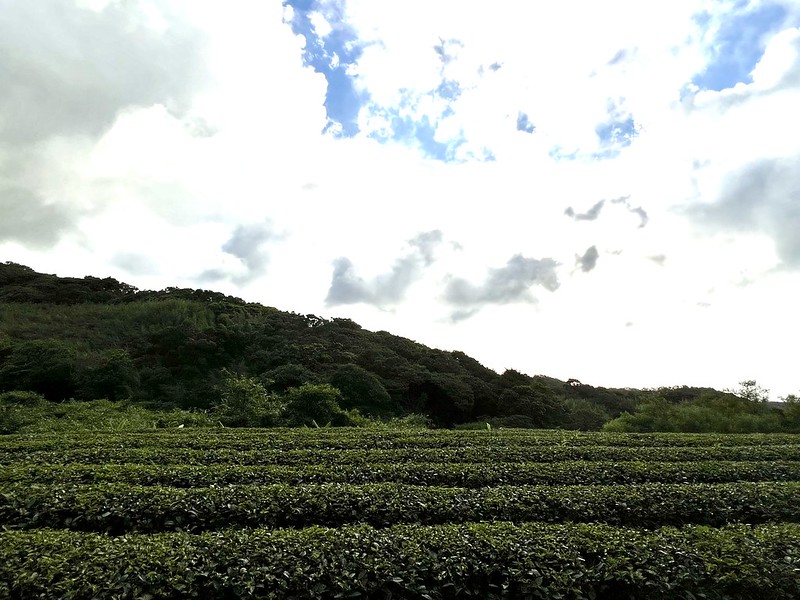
<point>605,191</point>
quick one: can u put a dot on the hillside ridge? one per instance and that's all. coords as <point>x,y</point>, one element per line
<point>86,338</point>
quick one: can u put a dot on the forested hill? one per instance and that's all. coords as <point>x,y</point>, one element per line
<point>99,338</point>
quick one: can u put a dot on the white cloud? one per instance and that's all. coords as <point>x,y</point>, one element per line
<point>781,60</point>
<point>150,183</point>
<point>321,26</point>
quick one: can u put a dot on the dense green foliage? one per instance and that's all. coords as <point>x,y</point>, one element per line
<point>122,508</point>
<point>88,339</point>
<point>497,560</point>
<point>28,412</point>
<point>467,475</point>
<point>746,412</point>
<point>222,513</point>
<point>476,454</point>
<point>101,339</point>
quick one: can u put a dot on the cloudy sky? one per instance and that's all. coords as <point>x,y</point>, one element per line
<point>608,191</point>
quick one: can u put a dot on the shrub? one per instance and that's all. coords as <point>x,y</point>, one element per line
<point>315,404</point>
<point>245,403</point>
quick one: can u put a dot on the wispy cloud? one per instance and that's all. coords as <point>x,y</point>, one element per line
<point>588,260</point>
<point>388,288</point>
<point>248,243</point>
<point>763,197</point>
<point>637,210</point>
<point>589,215</point>
<point>503,285</point>
<point>594,212</point>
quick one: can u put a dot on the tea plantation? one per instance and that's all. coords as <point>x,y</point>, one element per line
<point>348,513</point>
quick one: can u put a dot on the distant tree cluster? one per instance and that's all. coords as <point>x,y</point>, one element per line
<point>744,410</point>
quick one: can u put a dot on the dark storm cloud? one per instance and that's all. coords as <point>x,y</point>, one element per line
<point>504,285</point>
<point>764,197</point>
<point>69,71</point>
<point>589,215</point>
<point>388,288</point>
<point>588,261</point>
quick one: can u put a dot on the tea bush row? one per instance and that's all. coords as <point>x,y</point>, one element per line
<point>488,561</point>
<point>364,439</point>
<point>472,475</point>
<point>121,508</point>
<point>158,456</point>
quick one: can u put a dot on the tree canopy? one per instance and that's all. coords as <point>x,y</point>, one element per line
<point>90,338</point>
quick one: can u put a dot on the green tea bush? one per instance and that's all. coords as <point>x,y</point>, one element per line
<point>488,561</point>
<point>122,508</point>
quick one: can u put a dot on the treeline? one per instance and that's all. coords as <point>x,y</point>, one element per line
<point>90,338</point>
<point>745,411</point>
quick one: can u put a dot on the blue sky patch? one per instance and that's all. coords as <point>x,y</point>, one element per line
<point>331,55</point>
<point>739,45</point>
<point>449,89</point>
<point>558,153</point>
<point>620,56</point>
<point>617,132</point>
<point>524,123</point>
<point>418,133</point>
<point>425,133</point>
<point>442,49</point>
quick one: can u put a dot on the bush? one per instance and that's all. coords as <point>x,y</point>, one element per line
<point>45,366</point>
<point>362,390</point>
<point>245,403</point>
<point>584,415</point>
<point>514,422</point>
<point>27,412</point>
<point>19,409</point>
<point>22,398</point>
<point>484,560</point>
<point>411,421</point>
<point>315,404</point>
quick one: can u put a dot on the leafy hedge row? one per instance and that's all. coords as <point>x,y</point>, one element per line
<point>471,475</point>
<point>492,561</point>
<point>120,508</point>
<point>354,439</point>
<point>268,456</point>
